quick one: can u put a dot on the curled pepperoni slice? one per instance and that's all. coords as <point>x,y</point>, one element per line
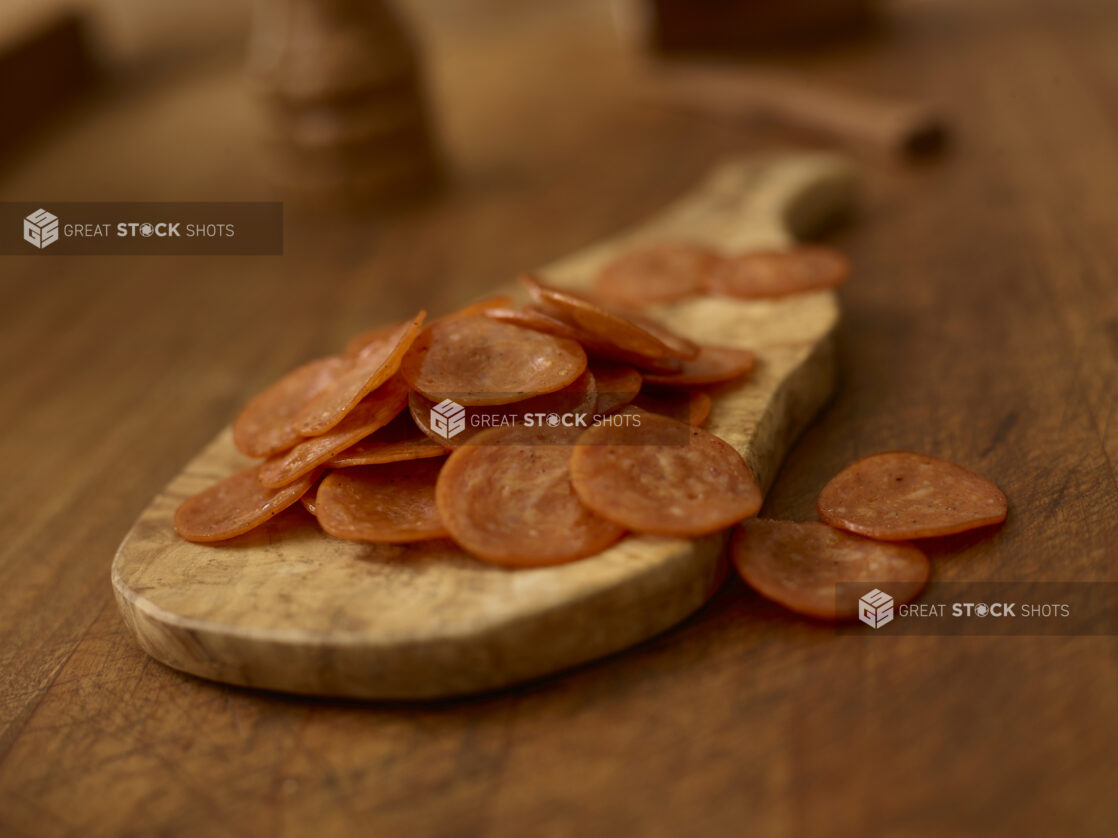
<point>624,333</point>
<point>692,407</point>
<point>264,426</point>
<point>530,318</point>
<point>535,318</point>
<point>778,273</point>
<point>617,385</point>
<point>236,505</point>
<point>373,365</point>
<point>714,365</point>
<point>308,500</point>
<point>898,495</point>
<point>482,306</point>
<point>681,347</point>
<point>652,474</point>
<point>539,320</point>
<point>507,498</point>
<point>371,336</point>
<point>801,564</point>
<point>371,414</point>
<point>385,503</point>
<point>398,441</point>
<point>475,360</point>
<point>659,274</point>
<point>381,332</point>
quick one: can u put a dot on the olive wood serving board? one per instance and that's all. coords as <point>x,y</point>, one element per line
<point>289,608</point>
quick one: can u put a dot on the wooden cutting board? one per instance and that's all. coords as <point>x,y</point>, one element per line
<point>289,608</point>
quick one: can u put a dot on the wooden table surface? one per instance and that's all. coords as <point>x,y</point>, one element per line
<point>981,325</point>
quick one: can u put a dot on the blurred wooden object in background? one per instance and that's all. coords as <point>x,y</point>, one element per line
<point>893,127</point>
<point>45,65</point>
<point>733,25</point>
<point>343,83</point>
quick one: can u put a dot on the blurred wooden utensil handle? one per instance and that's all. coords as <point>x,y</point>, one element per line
<point>897,127</point>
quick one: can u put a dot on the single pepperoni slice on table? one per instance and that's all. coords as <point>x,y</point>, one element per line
<point>657,475</point>
<point>373,365</point>
<point>264,427</point>
<point>714,365</point>
<point>778,273</point>
<point>374,412</point>
<point>475,360</point>
<point>658,274</point>
<point>899,495</point>
<point>801,565</point>
<point>392,503</point>
<point>236,505</point>
<point>506,498</point>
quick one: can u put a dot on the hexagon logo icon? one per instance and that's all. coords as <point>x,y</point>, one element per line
<point>40,229</point>
<point>448,419</point>
<point>875,609</point>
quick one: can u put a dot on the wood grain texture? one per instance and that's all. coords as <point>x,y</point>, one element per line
<point>289,608</point>
<point>982,326</point>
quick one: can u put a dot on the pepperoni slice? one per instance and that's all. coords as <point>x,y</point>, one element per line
<point>578,397</point>
<point>530,318</point>
<point>661,476</point>
<point>264,425</point>
<point>368,337</point>
<point>507,499</point>
<point>536,318</point>
<point>398,441</point>
<point>799,564</point>
<point>692,407</point>
<point>659,274</point>
<point>714,364</point>
<point>539,320</point>
<point>373,365</point>
<point>236,505</point>
<point>385,503</point>
<point>475,360</point>
<point>308,501</point>
<point>681,348</point>
<point>371,414</point>
<point>617,385</point>
<point>777,273</point>
<point>624,333</point>
<point>898,495</point>
<point>482,306</point>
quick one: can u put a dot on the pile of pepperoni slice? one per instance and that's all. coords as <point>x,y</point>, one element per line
<point>361,438</point>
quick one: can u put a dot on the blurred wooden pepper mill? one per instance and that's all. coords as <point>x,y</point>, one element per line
<point>342,82</point>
